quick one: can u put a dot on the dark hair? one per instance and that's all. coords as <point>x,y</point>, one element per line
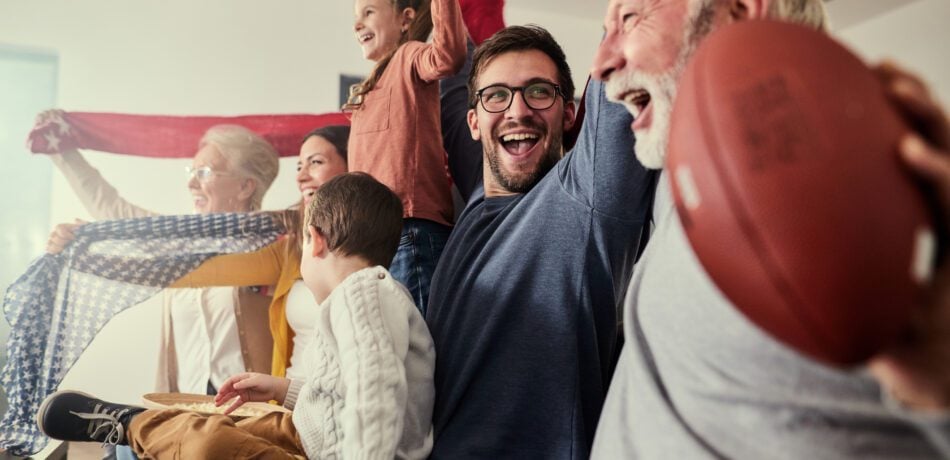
<point>336,135</point>
<point>520,38</point>
<point>358,216</point>
<point>419,30</point>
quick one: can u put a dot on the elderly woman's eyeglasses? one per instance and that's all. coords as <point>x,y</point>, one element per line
<point>203,174</point>
<point>538,96</point>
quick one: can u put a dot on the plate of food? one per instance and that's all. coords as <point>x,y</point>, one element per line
<point>204,404</point>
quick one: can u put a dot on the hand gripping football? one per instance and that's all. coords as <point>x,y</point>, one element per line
<point>785,172</point>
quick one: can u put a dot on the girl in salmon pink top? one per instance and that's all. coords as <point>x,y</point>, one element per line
<point>396,131</point>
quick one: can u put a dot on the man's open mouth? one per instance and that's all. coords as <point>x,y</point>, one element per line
<point>636,101</point>
<point>519,143</point>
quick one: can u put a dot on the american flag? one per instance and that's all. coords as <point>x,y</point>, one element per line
<point>62,301</point>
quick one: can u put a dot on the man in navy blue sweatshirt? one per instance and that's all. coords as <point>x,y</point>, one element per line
<point>524,302</point>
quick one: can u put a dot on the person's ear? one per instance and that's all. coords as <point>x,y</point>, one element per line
<point>247,189</point>
<point>570,112</point>
<point>740,10</point>
<point>408,14</point>
<point>473,125</point>
<point>319,243</point>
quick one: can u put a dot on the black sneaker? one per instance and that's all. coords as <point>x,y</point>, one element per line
<point>76,416</point>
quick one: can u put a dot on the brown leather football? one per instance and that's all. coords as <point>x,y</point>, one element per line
<point>785,172</point>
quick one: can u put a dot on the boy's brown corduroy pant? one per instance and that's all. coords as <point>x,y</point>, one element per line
<point>182,434</point>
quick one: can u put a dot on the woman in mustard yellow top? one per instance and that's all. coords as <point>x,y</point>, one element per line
<point>322,156</point>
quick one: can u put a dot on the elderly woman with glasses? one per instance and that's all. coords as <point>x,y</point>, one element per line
<point>208,334</point>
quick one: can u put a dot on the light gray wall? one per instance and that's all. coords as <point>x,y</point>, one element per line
<point>916,35</point>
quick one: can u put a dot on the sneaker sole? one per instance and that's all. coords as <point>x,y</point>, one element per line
<point>44,406</point>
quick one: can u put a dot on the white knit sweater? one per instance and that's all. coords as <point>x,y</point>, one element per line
<point>369,393</point>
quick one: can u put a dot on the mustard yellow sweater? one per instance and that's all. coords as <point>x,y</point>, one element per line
<point>278,265</point>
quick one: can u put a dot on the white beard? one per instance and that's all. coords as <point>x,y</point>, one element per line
<point>652,140</point>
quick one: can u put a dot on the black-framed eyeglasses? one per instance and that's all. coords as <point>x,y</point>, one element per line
<point>538,96</point>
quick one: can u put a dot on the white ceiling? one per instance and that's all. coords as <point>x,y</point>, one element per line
<point>843,13</point>
<point>584,9</point>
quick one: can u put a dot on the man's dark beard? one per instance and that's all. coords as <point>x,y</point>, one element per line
<point>525,184</point>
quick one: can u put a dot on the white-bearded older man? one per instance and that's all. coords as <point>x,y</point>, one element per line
<point>696,379</point>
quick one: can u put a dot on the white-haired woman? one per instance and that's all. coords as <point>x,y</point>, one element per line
<point>208,334</point>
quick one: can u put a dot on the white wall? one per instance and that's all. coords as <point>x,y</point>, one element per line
<point>579,38</point>
<point>915,36</point>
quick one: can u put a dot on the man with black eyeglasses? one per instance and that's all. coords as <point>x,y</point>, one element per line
<point>524,302</point>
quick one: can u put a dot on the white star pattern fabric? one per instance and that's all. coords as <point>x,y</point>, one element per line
<point>53,141</point>
<point>62,301</point>
<point>60,123</point>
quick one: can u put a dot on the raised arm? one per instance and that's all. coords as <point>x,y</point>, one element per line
<point>602,169</point>
<point>465,153</point>
<point>446,54</point>
<point>99,197</point>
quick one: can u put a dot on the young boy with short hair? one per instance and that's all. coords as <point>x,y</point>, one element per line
<point>369,393</point>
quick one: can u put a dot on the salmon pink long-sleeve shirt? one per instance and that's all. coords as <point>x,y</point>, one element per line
<point>396,133</point>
